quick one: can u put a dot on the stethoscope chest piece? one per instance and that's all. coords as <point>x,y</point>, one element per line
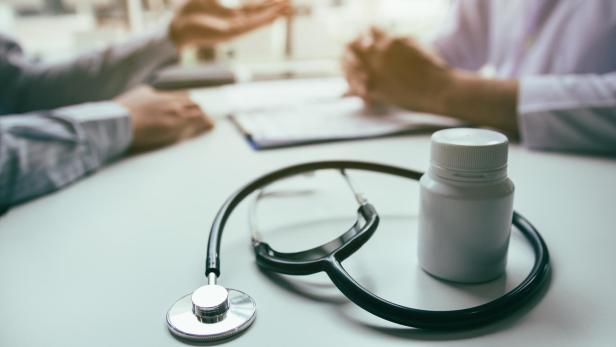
<point>211,313</point>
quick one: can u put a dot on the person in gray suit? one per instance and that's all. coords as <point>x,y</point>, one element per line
<point>62,121</point>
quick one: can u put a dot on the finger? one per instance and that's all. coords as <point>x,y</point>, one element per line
<point>278,7</point>
<point>352,63</point>
<point>205,28</point>
<point>362,53</point>
<point>204,122</point>
<point>356,76</point>
<point>205,25</point>
<point>217,6</point>
<point>380,40</point>
<point>256,6</point>
<point>197,123</point>
<point>358,64</point>
<point>192,107</point>
<point>364,50</point>
<point>265,15</point>
<point>176,98</point>
<point>356,87</point>
<point>428,51</point>
<point>365,43</point>
<point>377,33</point>
<point>179,95</point>
<point>208,26</point>
<point>188,103</point>
<point>210,7</point>
<point>193,112</point>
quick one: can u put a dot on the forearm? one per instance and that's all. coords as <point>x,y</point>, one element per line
<point>567,112</point>
<point>94,76</point>
<point>482,101</point>
<point>42,152</point>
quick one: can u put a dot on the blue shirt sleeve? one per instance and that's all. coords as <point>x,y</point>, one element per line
<point>93,76</point>
<point>43,151</point>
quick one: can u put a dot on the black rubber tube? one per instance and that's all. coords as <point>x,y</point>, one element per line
<point>424,319</point>
<point>213,247</point>
<point>455,319</point>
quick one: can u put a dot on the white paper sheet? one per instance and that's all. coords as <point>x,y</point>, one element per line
<point>247,97</point>
<point>335,118</point>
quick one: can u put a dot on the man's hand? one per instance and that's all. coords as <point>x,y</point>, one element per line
<point>159,119</point>
<point>400,71</point>
<point>206,22</point>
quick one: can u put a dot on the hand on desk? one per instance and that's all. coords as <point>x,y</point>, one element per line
<point>395,70</point>
<point>382,68</point>
<point>206,23</point>
<point>159,119</point>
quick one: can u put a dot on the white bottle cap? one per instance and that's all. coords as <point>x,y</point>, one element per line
<point>468,150</point>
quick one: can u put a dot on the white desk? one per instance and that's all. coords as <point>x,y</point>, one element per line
<point>99,263</point>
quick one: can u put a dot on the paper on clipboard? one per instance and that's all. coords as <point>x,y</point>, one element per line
<point>336,119</point>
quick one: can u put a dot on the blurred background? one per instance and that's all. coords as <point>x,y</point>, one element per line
<point>309,43</point>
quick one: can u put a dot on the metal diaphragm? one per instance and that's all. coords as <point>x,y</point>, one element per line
<point>188,319</point>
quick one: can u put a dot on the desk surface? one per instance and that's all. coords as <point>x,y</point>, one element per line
<point>100,262</point>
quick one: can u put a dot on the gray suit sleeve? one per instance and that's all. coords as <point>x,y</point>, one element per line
<point>95,76</point>
<point>43,151</point>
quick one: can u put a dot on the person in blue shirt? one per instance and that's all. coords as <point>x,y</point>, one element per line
<point>62,121</point>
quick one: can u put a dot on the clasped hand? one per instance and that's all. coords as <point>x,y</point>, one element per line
<point>381,68</point>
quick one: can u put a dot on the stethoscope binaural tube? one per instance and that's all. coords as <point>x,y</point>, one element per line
<point>318,259</point>
<point>213,247</point>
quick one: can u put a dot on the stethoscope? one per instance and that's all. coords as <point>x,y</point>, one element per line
<point>213,312</point>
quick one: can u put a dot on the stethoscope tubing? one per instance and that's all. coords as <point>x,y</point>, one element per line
<point>417,318</point>
<point>453,319</point>
<point>213,248</point>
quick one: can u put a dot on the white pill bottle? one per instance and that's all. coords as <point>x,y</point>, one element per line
<point>466,206</point>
